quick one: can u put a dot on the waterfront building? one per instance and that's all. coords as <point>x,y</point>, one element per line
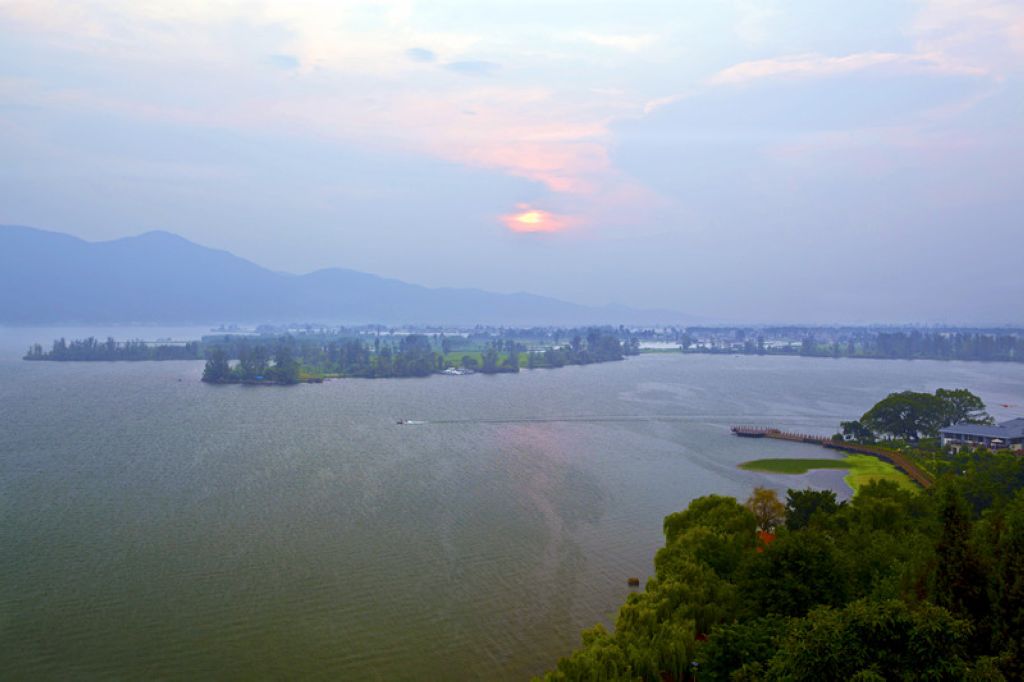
<point>1006,436</point>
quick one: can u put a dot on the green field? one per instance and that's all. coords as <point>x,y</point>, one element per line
<point>860,469</point>
<point>455,357</point>
<point>793,466</point>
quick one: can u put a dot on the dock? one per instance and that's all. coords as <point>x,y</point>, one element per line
<point>897,459</point>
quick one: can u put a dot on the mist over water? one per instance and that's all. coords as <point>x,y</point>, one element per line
<point>156,527</point>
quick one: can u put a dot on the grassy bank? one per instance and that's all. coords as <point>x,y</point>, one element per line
<point>860,469</point>
<point>793,466</point>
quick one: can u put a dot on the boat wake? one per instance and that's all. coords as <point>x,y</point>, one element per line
<point>596,419</point>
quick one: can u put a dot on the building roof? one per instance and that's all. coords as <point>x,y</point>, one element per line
<point>1011,429</point>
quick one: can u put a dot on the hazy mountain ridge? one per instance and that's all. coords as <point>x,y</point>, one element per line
<point>159,277</point>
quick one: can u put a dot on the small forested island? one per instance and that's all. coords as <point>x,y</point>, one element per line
<point>275,357</point>
<point>415,355</point>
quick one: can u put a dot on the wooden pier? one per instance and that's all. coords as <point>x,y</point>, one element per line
<point>897,459</point>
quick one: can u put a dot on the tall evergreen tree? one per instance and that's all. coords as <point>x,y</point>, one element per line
<point>959,584</point>
<point>217,368</point>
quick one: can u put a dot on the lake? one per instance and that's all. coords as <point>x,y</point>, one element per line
<point>156,527</point>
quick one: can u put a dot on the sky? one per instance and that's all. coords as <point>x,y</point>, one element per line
<point>792,161</point>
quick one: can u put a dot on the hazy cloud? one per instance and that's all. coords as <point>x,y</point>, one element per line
<point>473,68</point>
<point>420,54</point>
<point>627,42</point>
<point>284,61</point>
<point>816,65</point>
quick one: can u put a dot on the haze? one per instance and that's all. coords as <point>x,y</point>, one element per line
<point>778,161</point>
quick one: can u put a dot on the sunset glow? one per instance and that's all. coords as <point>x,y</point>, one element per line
<point>534,220</point>
<point>530,218</point>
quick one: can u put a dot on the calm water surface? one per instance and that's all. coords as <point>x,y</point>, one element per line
<point>155,527</point>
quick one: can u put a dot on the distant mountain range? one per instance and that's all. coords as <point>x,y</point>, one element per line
<point>159,277</point>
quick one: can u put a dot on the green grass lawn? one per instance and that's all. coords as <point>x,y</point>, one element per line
<point>860,469</point>
<point>455,357</point>
<point>866,468</point>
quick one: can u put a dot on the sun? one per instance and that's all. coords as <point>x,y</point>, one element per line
<point>534,220</point>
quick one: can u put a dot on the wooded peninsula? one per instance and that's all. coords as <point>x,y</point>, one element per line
<point>271,358</point>
<point>898,583</point>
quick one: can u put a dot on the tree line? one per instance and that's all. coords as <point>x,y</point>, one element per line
<point>595,347</point>
<point>995,345</point>
<point>956,346</point>
<point>916,345</point>
<point>92,349</point>
<point>255,365</point>
<point>290,360</point>
<point>892,585</point>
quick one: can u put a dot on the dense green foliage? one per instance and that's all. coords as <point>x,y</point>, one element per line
<point>109,350</point>
<point>254,366</point>
<point>802,505</point>
<point>911,416</point>
<point>906,415</point>
<point>414,355</point>
<point>598,347</point>
<point>892,585</point>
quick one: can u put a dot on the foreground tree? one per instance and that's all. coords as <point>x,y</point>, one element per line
<point>959,583</point>
<point>892,585</point>
<point>741,648</point>
<point>802,505</point>
<point>1006,551</point>
<point>874,641</point>
<point>793,574</point>
<point>764,504</point>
